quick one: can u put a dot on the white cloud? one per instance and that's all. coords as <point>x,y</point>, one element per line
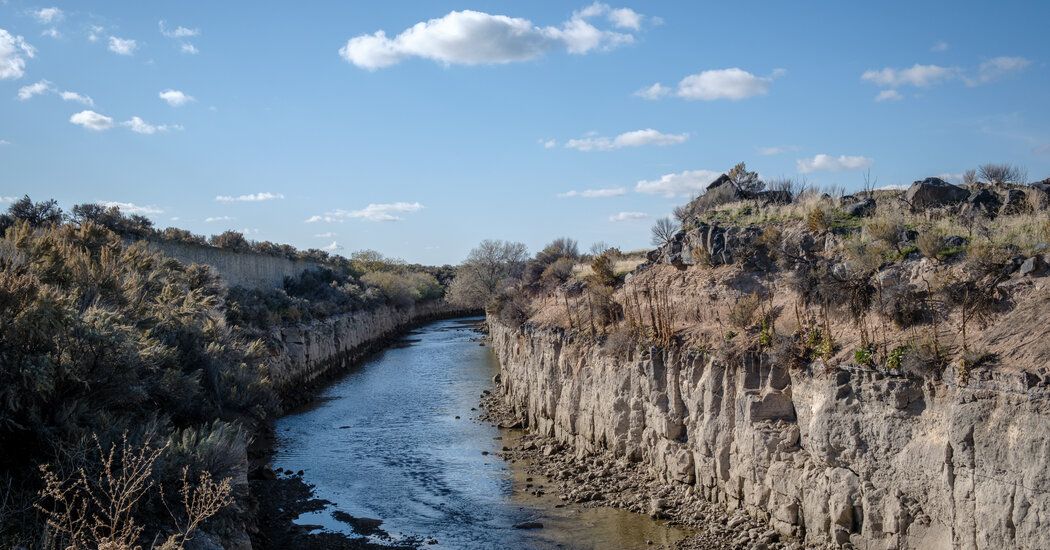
<point>953,177</point>
<point>139,126</point>
<point>188,48</point>
<point>548,143</point>
<point>177,32</point>
<point>48,15</point>
<point>175,98</point>
<point>595,193</point>
<point>939,46</point>
<point>14,51</point>
<point>636,138</point>
<point>4,142</point>
<point>67,95</point>
<point>7,199</point>
<point>828,163</point>
<point>889,95</point>
<point>920,76</point>
<point>131,208</point>
<point>122,46</point>
<point>28,91</point>
<point>219,219</point>
<point>325,235</point>
<point>654,92</point>
<point>626,18</point>
<point>41,87</point>
<point>333,247</point>
<point>681,184</point>
<point>477,38</point>
<point>996,68</point>
<point>776,150</point>
<point>51,33</point>
<point>733,84</point>
<point>95,33</point>
<point>251,197</point>
<point>628,216</point>
<point>92,121</point>
<point>386,212</point>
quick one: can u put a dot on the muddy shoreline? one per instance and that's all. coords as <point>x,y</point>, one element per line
<point>603,480</point>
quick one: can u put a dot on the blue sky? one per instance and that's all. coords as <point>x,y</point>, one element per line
<point>472,120</point>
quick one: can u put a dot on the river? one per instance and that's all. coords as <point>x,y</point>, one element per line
<point>398,439</point>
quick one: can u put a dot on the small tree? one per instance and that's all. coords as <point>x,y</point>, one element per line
<point>744,180</point>
<point>1001,174</point>
<point>663,231</point>
<point>231,240</point>
<point>36,214</point>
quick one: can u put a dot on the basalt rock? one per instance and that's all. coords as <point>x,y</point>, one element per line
<point>934,193</point>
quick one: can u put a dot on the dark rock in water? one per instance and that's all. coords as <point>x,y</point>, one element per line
<point>934,193</point>
<point>362,526</point>
<point>861,209</point>
<point>528,525</point>
<point>346,427</point>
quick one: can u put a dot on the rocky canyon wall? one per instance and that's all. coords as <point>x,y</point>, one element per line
<point>841,457</point>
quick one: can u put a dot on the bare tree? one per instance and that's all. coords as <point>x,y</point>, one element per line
<point>599,248</point>
<point>1001,174</point>
<point>487,269</point>
<point>663,231</point>
<point>970,177</point>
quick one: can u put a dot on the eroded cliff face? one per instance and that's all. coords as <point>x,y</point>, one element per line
<point>312,351</point>
<point>845,456</point>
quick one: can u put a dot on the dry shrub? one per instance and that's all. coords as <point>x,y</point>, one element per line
<point>930,243</point>
<point>622,341</point>
<point>818,219</point>
<point>885,230</point>
<point>904,304</point>
<point>743,312</point>
<point>923,358</point>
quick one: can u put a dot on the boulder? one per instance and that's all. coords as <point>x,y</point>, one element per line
<point>1033,267</point>
<point>1014,202</point>
<point>861,209</point>
<point>954,241</point>
<point>773,197</point>
<point>934,193</point>
<point>984,200</point>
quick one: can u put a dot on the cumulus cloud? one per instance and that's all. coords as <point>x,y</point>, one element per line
<point>4,199</point>
<point>251,197</point>
<point>188,48</point>
<point>92,121</point>
<point>51,33</point>
<point>680,184</point>
<point>177,32</point>
<point>636,138</point>
<point>219,219</point>
<point>477,38</point>
<point>175,98</point>
<point>828,163</point>
<point>131,208</point>
<point>889,95</point>
<point>28,91</point>
<point>386,212</point>
<point>920,76</point>
<point>139,126</point>
<point>122,46</point>
<point>628,216</point>
<point>733,84</point>
<point>595,193</point>
<point>548,143</point>
<point>48,15</point>
<point>14,51</point>
<point>41,87</point>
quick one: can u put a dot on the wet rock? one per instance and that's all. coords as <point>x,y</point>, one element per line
<point>528,525</point>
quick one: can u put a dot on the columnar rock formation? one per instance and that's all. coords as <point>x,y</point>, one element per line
<point>842,456</point>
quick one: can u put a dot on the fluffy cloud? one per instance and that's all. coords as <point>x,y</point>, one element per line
<point>92,121</point>
<point>48,15</point>
<point>7,199</point>
<point>333,247</point>
<point>628,216</point>
<point>189,49</point>
<point>386,212</point>
<point>594,193</point>
<point>889,95</point>
<point>131,208</point>
<point>681,184</point>
<point>177,32</point>
<point>733,84</point>
<point>476,38</point>
<point>26,93</point>
<point>636,138</point>
<point>14,51</point>
<point>920,76</point>
<point>175,98</point>
<point>776,150</point>
<point>251,197</point>
<point>219,219</point>
<point>548,143</point>
<point>139,126</point>
<point>122,46</point>
<point>828,163</point>
<point>51,33</point>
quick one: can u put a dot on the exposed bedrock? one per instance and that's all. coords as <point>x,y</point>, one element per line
<point>828,457</point>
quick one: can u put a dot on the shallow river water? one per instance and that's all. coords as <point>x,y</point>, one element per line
<point>397,440</point>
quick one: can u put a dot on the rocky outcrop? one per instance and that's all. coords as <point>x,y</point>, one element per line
<point>312,352</point>
<point>838,456</point>
<point>247,269</point>
<point>934,193</point>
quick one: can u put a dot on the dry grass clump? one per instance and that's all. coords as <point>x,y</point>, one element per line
<point>930,243</point>
<point>744,311</point>
<point>885,230</point>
